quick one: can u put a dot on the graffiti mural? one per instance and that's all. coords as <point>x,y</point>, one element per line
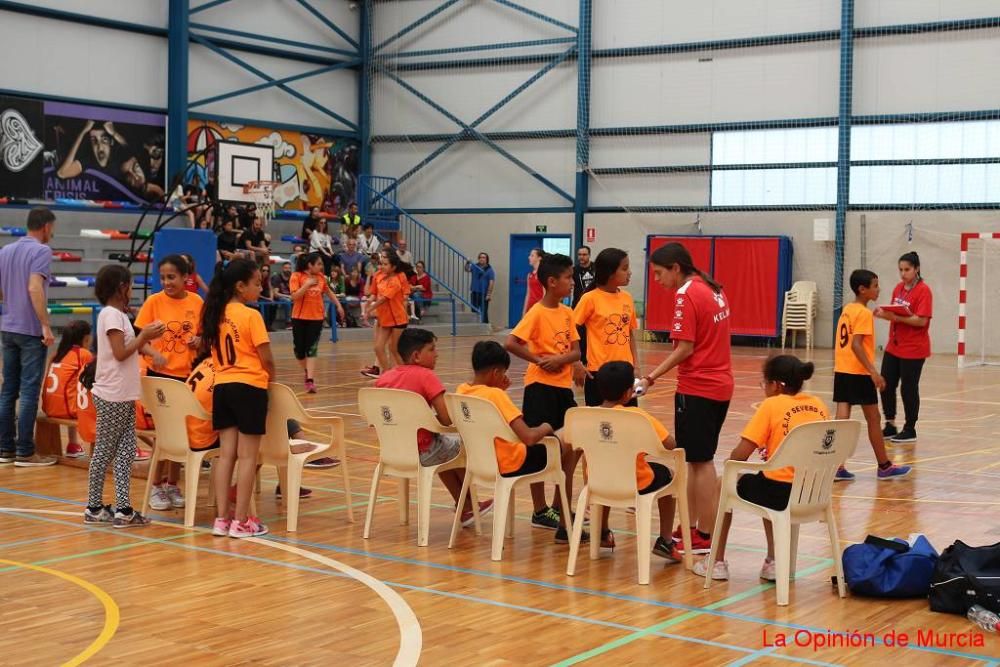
<point>21,131</point>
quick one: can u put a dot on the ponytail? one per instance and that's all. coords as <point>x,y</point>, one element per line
<point>789,371</point>
<point>220,293</point>
<point>673,254</point>
<point>73,334</point>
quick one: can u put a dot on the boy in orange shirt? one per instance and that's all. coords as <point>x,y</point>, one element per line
<point>548,340</point>
<point>490,362</point>
<point>856,381</point>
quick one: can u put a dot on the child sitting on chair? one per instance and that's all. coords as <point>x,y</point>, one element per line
<point>784,408</point>
<point>417,348</point>
<point>615,380</point>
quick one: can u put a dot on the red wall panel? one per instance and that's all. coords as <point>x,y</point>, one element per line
<point>659,301</point>
<point>748,270</point>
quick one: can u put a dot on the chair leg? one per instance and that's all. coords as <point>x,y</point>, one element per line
<point>474,501</point>
<point>457,521</point>
<point>784,333</point>
<point>192,470</point>
<point>838,561</point>
<point>403,499</point>
<point>565,500</point>
<point>376,477</point>
<point>501,500</point>
<point>782,558</point>
<point>292,478</point>
<point>643,530</point>
<point>510,513</point>
<point>716,536</point>
<point>211,486</point>
<point>574,540</point>
<point>348,496</point>
<point>793,549</point>
<point>682,509</point>
<point>596,526</point>
<point>425,482</point>
<point>153,460</point>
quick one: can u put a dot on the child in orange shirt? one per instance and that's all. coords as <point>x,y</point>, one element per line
<point>235,335</point>
<point>308,285</point>
<point>61,395</point>
<point>180,310</point>
<point>607,313</point>
<point>785,407</point>
<point>389,290</point>
<point>490,362</point>
<point>547,339</point>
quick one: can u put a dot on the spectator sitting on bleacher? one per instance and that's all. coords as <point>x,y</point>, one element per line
<point>228,239</point>
<point>279,282</point>
<point>351,258</point>
<point>310,223</point>
<point>348,233</point>
<point>256,241</point>
<point>404,254</point>
<point>368,243</point>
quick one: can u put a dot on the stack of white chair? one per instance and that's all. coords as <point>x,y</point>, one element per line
<point>799,312</point>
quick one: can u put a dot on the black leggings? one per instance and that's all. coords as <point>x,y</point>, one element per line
<point>907,372</point>
<point>479,301</point>
<point>305,337</point>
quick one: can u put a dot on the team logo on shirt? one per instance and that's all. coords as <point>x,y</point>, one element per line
<point>177,336</point>
<point>679,302</point>
<point>562,341</point>
<point>607,433</point>
<point>386,414</point>
<point>617,330</point>
<point>829,438</point>
<point>719,299</point>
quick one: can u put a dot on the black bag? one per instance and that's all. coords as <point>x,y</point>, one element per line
<point>965,576</point>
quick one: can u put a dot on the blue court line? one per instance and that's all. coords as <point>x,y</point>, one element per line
<point>747,659</point>
<point>561,587</point>
<point>36,540</point>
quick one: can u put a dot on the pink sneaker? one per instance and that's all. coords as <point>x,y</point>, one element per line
<point>75,450</point>
<point>252,527</point>
<point>141,455</point>
<point>221,527</point>
<point>310,387</point>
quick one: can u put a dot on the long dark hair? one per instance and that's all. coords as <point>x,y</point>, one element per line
<point>396,263</point>
<point>675,254</point>
<point>220,293</point>
<point>913,259</point>
<point>303,261</point>
<point>110,279</point>
<point>607,263</point>
<point>789,371</point>
<point>73,334</point>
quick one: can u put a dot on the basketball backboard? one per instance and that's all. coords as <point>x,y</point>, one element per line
<point>238,164</point>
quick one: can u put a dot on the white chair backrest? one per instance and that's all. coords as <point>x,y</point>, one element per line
<point>171,402</point>
<point>611,440</point>
<point>282,405</point>
<point>804,287</point>
<point>815,450</point>
<point>479,422</point>
<point>396,415</point>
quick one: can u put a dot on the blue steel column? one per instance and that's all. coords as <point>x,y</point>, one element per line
<point>583,41</point>
<point>843,150</point>
<point>364,100</point>
<point>177,86</point>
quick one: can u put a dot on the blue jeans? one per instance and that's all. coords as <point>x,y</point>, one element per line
<point>23,367</point>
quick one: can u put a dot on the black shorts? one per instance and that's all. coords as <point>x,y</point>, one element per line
<point>305,337</point>
<point>697,424</point>
<point>240,405</point>
<point>398,326</point>
<point>764,491</point>
<point>545,404</point>
<point>661,477</point>
<point>854,389</point>
<point>535,461</point>
<point>592,395</point>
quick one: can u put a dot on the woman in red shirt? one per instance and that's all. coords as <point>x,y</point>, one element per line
<point>421,283</point>
<point>702,355</point>
<point>534,293</point>
<point>908,348</point>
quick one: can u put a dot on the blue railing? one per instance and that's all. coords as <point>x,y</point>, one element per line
<point>446,266</point>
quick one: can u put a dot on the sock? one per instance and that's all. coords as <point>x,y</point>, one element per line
<point>127,511</point>
<point>884,466</point>
<point>95,510</point>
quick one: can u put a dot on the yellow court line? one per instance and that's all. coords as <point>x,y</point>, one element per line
<point>923,500</point>
<point>112,615</point>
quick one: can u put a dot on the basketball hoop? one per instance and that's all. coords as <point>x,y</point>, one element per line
<point>262,193</point>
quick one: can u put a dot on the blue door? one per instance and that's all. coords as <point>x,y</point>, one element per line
<point>521,246</point>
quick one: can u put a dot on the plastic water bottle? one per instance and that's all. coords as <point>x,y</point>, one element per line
<point>984,618</point>
<point>637,387</point>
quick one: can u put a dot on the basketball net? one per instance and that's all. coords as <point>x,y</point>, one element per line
<point>262,194</point>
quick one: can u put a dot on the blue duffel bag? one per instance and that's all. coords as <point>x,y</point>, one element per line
<point>890,568</point>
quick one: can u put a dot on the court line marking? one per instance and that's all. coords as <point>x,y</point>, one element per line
<point>112,615</point>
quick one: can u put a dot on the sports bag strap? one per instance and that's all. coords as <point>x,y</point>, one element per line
<point>882,543</point>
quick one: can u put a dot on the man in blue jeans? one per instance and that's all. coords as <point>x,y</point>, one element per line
<point>24,327</point>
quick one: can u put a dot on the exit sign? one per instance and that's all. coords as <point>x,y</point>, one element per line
<point>541,229</point>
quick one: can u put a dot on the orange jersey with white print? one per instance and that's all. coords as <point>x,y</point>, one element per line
<point>59,397</point>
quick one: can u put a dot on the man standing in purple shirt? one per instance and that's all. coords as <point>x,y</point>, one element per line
<point>24,280</point>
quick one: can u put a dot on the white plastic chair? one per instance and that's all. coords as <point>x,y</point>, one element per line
<point>480,422</point>
<point>799,312</point>
<point>611,440</point>
<point>170,402</point>
<point>815,450</point>
<point>396,415</point>
<point>275,448</point>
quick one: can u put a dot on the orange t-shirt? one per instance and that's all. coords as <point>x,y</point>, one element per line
<point>510,455</point>
<point>855,319</point>
<point>310,305</point>
<point>610,320</point>
<point>59,398</point>
<point>143,420</point>
<point>395,288</point>
<point>86,415</point>
<point>201,435</point>
<point>548,331</point>
<point>643,472</point>
<point>242,331</point>
<point>182,318</point>
<point>775,417</point>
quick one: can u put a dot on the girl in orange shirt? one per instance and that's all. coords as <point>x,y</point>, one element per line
<point>235,335</point>
<point>61,394</point>
<point>389,291</point>
<point>308,285</point>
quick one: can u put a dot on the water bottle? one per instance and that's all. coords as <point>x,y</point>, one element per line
<point>984,618</point>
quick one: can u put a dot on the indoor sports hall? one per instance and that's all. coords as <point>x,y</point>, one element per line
<point>310,307</point>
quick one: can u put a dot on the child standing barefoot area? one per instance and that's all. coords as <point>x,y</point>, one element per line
<point>115,391</point>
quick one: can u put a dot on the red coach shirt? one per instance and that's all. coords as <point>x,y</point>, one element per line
<point>907,341</point>
<point>702,317</point>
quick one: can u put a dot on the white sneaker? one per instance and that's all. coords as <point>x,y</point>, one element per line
<point>158,498</point>
<point>767,570</point>
<point>175,496</point>
<point>720,571</point>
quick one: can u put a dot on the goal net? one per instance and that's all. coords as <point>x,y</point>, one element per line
<point>979,300</point>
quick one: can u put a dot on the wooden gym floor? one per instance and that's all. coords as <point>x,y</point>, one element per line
<point>324,595</point>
